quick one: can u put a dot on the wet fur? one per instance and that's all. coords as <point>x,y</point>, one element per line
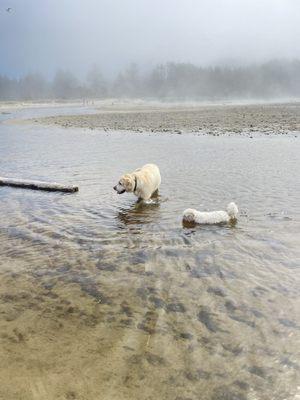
<point>213,217</point>
<point>147,180</point>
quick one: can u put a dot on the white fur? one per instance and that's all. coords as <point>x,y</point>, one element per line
<point>212,217</point>
<point>146,179</point>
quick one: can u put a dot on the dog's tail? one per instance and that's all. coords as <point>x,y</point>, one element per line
<point>232,210</point>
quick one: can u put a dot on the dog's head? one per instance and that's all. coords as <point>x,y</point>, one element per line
<point>189,215</point>
<point>125,184</point>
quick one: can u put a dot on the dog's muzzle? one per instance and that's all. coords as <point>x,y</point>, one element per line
<point>119,191</point>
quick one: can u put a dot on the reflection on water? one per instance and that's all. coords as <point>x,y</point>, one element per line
<point>140,213</point>
<point>105,297</point>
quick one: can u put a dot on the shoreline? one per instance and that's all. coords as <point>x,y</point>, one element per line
<point>178,119</point>
<point>174,118</point>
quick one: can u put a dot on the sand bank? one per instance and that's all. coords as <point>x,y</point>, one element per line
<point>206,119</point>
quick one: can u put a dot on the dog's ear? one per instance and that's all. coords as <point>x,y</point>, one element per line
<point>128,183</point>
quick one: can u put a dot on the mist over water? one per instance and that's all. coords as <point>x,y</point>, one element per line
<point>74,49</point>
<point>172,81</point>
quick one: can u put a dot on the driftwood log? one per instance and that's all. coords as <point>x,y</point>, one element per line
<point>38,185</point>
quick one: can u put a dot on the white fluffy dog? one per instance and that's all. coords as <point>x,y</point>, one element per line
<point>143,182</point>
<point>213,217</point>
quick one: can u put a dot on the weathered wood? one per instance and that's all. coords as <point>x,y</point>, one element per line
<point>38,185</point>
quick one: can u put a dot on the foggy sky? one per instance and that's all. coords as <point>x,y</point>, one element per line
<point>43,35</point>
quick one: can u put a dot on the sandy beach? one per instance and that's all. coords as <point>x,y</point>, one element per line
<point>214,119</point>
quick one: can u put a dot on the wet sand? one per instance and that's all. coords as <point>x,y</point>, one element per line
<point>180,118</point>
<point>67,336</point>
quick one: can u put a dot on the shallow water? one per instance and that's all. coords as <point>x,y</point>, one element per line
<point>101,297</point>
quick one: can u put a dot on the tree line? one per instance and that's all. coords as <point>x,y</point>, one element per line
<point>273,79</point>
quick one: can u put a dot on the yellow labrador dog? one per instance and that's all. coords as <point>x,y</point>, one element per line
<point>143,182</point>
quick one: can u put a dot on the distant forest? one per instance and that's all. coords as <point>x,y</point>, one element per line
<point>274,79</point>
